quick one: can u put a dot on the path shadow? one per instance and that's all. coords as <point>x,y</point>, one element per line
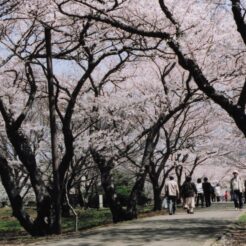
<point>154,231</point>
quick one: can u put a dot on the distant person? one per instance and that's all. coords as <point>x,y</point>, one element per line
<point>212,194</point>
<point>200,194</point>
<point>188,192</point>
<point>237,188</point>
<point>217,192</point>
<point>226,195</point>
<point>172,194</point>
<point>207,189</point>
<point>244,191</point>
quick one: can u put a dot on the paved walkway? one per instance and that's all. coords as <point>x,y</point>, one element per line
<point>182,229</point>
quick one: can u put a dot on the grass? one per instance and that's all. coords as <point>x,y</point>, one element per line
<point>12,233</point>
<point>87,219</point>
<point>9,226</point>
<point>242,219</point>
<point>7,222</point>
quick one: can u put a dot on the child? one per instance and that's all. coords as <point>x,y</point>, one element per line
<point>226,195</point>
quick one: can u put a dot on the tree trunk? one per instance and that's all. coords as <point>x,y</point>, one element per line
<point>179,173</point>
<point>105,167</point>
<point>65,210</point>
<point>38,227</point>
<point>157,198</point>
<point>54,138</point>
<point>137,190</point>
<point>80,196</point>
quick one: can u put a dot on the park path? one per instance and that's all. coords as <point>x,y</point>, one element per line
<point>199,229</point>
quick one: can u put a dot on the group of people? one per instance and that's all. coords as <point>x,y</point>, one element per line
<point>192,194</point>
<point>195,194</point>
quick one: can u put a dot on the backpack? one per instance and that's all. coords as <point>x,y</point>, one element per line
<point>188,189</point>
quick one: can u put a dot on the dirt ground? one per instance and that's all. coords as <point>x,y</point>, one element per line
<point>236,236</point>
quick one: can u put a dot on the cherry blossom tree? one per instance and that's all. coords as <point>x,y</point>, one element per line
<point>155,115</point>
<point>185,38</point>
<point>25,72</point>
<point>95,54</point>
<point>195,33</point>
<point>95,45</point>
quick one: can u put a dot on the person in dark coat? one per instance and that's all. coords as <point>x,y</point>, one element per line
<point>244,191</point>
<point>207,189</point>
<point>188,192</point>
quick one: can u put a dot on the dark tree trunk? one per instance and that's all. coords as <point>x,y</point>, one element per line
<point>43,199</point>
<point>157,187</point>
<point>80,196</point>
<point>56,189</point>
<point>137,190</point>
<point>42,225</point>
<point>105,167</point>
<point>157,198</point>
<point>87,198</point>
<point>38,227</point>
<point>150,145</point>
<point>179,173</point>
<point>65,210</point>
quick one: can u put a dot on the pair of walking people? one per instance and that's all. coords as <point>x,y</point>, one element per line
<point>204,191</point>
<point>188,193</point>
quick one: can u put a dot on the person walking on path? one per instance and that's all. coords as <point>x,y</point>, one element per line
<point>217,192</point>
<point>200,194</point>
<point>172,194</point>
<point>212,193</point>
<point>207,189</point>
<point>226,196</point>
<point>188,191</point>
<point>244,191</point>
<point>237,190</point>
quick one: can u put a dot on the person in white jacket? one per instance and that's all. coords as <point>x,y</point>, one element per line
<point>217,192</point>
<point>172,193</point>
<point>200,193</point>
<point>237,189</point>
